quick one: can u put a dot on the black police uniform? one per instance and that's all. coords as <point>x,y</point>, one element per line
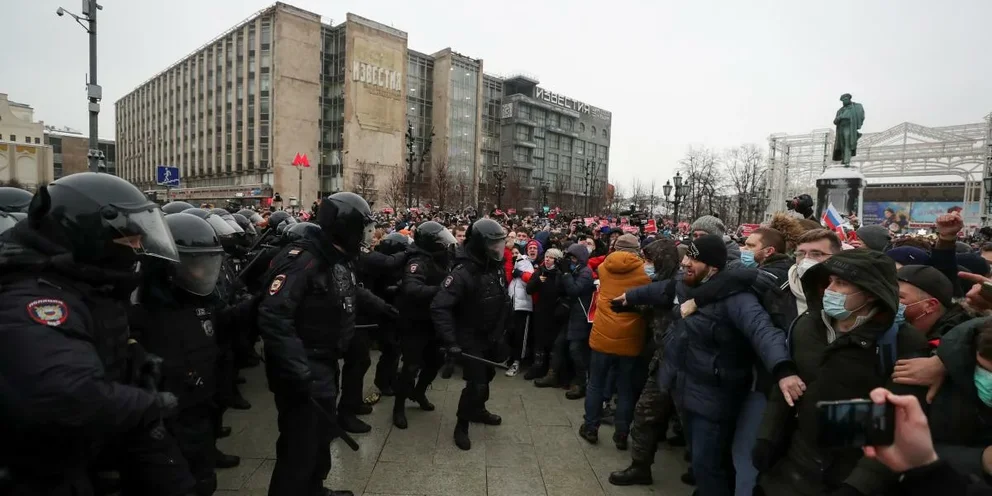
<point>370,266</point>
<point>419,341</point>
<point>306,318</point>
<point>386,286</point>
<point>64,344</point>
<point>470,313</point>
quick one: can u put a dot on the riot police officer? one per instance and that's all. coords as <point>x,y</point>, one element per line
<point>370,266</point>
<point>8,219</point>
<point>306,317</point>
<point>386,286</point>
<point>429,263</point>
<point>470,312</point>
<point>66,273</point>
<point>175,319</point>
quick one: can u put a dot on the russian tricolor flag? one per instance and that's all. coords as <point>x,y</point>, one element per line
<point>832,220</point>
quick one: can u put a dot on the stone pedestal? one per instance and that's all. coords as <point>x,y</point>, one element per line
<point>842,186</point>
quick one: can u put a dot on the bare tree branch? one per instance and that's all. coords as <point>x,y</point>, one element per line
<point>441,182</point>
<point>363,181</point>
<point>395,194</point>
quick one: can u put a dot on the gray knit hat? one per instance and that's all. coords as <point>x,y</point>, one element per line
<point>627,243</point>
<point>710,224</point>
<point>554,253</point>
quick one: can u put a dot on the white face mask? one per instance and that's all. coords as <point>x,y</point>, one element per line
<point>805,265</point>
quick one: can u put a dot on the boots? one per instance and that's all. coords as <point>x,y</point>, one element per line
<point>638,473</point>
<point>590,434</point>
<point>420,396</point>
<point>535,370</point>
<point>461,435</point>
<point>399,412</point>
<point>486,417</point>
<point>577,391</point>
<point>549,380</point>
<point>351,423</point>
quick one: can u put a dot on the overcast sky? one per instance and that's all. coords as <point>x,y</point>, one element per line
<point>674,73</point>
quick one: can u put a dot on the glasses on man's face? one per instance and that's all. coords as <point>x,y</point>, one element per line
<point>812,254</point>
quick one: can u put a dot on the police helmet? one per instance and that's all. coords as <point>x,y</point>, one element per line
<point>227,217</point>
<point>432,237</point>
<point>200,253</point>
<point>175,207</point>
<point>277,217</point>
<point>486,240</point>
<point>281,228</point>
<point>221,227</point>
<point>392,243</point>
<point>252,216</point>
<point>245,224</point>
<point>14,199</point>
<point>346,219</point>
<point>102,219</point>
<point>296,232</point>
<point>7,220</point>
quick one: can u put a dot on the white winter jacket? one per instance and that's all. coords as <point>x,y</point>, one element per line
<point>518,288</point>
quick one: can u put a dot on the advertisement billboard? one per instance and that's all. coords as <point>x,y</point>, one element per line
<point>900,217</point>
<point>893,215</point>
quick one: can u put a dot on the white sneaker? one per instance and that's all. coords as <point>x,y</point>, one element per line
<point>514,368</point>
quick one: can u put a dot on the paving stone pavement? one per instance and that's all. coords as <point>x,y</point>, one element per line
<point>536,452</point>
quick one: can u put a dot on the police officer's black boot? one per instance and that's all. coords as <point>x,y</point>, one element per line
<point>486,417</point>
<point>224,460</point>
<point>461,435</point>
<point>352,424</point>
<point>638,473</point>
<point>420,396</point>
<point>536,369</point>
<point>399,411</point>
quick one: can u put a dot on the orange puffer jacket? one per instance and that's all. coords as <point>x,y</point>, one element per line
<point>618,333</point>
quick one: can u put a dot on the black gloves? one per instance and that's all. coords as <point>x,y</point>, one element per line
<point>517,273</point>
<point>390,312</point>
<point>167,404</point>
<point>454,351</point>
<point>618,307</point>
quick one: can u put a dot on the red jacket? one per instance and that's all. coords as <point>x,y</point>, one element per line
<point>508,264</point>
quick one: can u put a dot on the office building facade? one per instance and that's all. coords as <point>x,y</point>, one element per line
<point>234,114</point>
<point>26,160</point>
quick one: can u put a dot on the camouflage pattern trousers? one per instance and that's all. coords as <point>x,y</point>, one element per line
<point>652,414</point>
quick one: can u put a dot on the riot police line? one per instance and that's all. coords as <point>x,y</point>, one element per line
<point>123,325</point>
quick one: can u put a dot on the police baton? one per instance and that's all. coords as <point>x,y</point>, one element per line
<point>337,430</point>
<point>449,363</point>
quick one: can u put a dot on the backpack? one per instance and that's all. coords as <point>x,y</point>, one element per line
<point>887,347</point>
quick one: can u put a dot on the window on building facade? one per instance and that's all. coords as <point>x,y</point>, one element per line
<point>554,120</point>
<point>566,163</point>
<point>553,141</point>
<point>593,130</point>
<point>566,144</point>
<point>523,111</point>
<point>582,128</point>
<point>605,135</point>
<point>523,133</point>
<point>579,147</point>
<point>521,154</point>
<point>552,160</point>
<point>539,115</point>
<point>13,137</point>
<point>602,153</point>
<point>37,141</point>
<point>566,123</point>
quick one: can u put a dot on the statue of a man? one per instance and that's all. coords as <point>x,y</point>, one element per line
<point>849,119</point>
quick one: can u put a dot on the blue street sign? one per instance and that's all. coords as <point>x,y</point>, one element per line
<point>167,176</point>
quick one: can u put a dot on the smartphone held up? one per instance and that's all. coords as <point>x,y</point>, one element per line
<point>855,423</point>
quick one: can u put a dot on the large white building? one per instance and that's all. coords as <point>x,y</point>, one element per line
<point>25,158</point>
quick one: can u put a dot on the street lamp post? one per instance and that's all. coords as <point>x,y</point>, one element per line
<point>94,92</point>
<point>680,192</point>
<point>499,174</point>
<point>411,161</point>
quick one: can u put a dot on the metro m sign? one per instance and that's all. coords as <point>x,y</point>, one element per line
<point>301,160</point>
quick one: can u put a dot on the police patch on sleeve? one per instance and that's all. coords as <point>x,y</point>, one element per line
<point>413,268</point>
<point>447,281</point>
<point>48,312</point>
<point>277,284</point>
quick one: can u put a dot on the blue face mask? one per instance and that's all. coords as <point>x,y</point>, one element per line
<point>649,270</point>
<point>983,383</point>
<point>747,259</point>
<point>572,266</point>
<point>835,305</point>
<point>900,315</point>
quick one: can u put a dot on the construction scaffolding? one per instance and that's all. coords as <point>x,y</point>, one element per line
<point>910,152</point>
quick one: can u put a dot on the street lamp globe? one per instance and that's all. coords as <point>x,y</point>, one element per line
<point>678,180</point>
<point>667,189</point>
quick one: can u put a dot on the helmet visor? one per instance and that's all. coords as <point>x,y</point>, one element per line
<point>495,249</point>
<point>7,221</point>
<point>233,223</point>
<point>221,227</point>
<point>367,236</point>
<point>445,238</point>
<point>145,232</point>
<point>198,272</point>
<point>255,218</point>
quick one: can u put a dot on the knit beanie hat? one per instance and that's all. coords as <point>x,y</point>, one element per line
<point>709,224</point>
<point>627,243</point>
<point>909,255</point>
<point>875,238</point>
<point>709,249</point>
<point>554,253</point>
